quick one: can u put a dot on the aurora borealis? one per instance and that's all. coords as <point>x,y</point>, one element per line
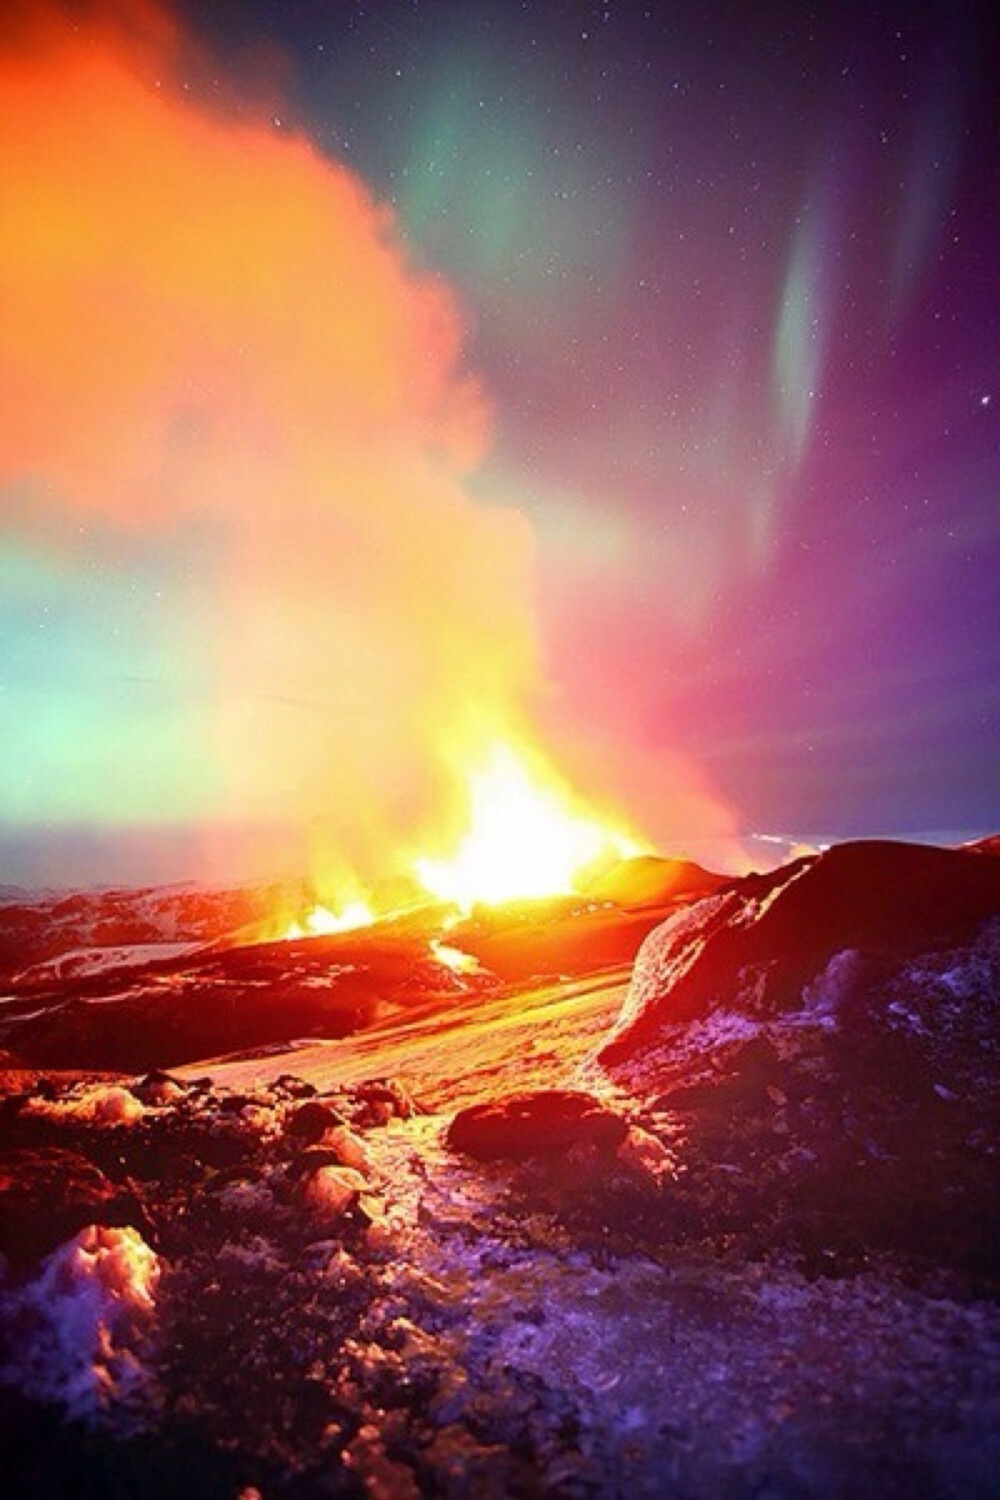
<point>635,365</point>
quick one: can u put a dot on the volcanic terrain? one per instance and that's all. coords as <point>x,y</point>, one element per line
<point>686,1187</point>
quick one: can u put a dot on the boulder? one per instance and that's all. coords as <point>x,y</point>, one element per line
<point>47,1194</point>
<point>331,1191</point>
<point>544,1123</point>
<point>311,1121</point>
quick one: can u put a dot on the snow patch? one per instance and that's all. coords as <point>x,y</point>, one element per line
<point>720,1028</point>
<point>77,1333</point>
<point>91,1104</point>
<point>824,995</point>
<point>85,963</point>
<point>333,1190</point>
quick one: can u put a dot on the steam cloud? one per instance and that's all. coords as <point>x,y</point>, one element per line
<point>213,333</point>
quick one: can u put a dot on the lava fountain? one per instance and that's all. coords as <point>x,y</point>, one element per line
<point>526,836</point>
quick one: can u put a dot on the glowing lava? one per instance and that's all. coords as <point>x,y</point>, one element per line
<point>455,959</point>
<point>320,919</point>
<point>527,837</point>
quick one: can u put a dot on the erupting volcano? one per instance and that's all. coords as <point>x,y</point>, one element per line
<point>527,836</point>
<point>499,932</point>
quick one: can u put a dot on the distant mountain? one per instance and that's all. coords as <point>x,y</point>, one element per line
<point>649,880</point>
<point>40,927</point>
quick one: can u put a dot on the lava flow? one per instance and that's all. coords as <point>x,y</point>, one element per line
<point>526,836</point>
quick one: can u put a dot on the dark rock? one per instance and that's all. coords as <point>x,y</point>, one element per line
<point>822,1063</point>
<point>47,1194</point>
<point>311,1160</point>
<point>312,1120</point>
<point>295,1087</point>
<point>203,1008</point>
<point>741,1073</point>
<point>756,945</point>
<point>545,1123</point>
<point>159,1087</point>
<point>234,1104</point>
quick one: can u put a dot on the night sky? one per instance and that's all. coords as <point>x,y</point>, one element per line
<point>715,375</point>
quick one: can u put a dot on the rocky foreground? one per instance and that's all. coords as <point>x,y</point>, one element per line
<point>724,1225</point>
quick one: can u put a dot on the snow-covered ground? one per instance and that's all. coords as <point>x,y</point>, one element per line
<point>84,963</point>
<point>459,1252</point>
<point>422,1323</point>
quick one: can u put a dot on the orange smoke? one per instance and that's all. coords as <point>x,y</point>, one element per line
<point>211,332</point>
<point>184,291</point>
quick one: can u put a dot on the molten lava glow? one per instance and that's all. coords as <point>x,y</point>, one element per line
<point>320,919</point>
<point>527,837</point>
<point>455,959</point>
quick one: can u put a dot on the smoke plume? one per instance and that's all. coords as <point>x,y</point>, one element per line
<point>214,340</point>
